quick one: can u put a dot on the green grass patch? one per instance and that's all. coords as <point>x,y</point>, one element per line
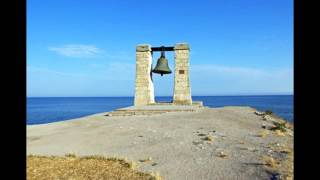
<point>279,126</point>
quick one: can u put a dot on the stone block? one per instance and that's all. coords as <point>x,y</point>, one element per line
<point>143,48</point>
<point>182,85</point>
<point>182,56</point>
<point>181,46</point>
<point>141,80</point>
<point>144,93</point>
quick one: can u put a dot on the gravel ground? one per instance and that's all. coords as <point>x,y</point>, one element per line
<point>212,143</point>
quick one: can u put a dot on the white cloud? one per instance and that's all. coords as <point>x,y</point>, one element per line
<point>90,51</point>
<point>77,50</point>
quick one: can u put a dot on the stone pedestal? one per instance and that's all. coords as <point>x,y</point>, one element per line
<point>144,90</point>
<point>182,90</point>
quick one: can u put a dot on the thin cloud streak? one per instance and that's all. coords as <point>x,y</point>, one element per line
<point>77,50</point>
<point>88,51</point>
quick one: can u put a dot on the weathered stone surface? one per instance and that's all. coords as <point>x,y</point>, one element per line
<point>182,90</point>
<point>144,92</point>
<point>143,48</point>
<point>184,46</point>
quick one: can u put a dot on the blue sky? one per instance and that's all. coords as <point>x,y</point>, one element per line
<point>87,48</point>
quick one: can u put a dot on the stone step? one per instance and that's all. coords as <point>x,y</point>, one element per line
<point>144,112</point>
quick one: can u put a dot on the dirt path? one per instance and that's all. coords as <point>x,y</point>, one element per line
<point>214,143</point>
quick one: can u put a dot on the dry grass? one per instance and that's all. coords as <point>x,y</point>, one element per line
<point>285,168</point>
<point>284,165</point>
<point>208,138</point>
<point>279,133</point>
<point>81,168</point>
<point>286,150</point>
<point>282,149</point>
<point>270,161</point>
<point>263,133</point>
<point>156,176</point>
<point>287,177</point>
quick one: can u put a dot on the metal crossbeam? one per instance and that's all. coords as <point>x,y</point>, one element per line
<point>162,48</point>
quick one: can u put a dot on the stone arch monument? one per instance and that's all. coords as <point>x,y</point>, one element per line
<point>144,89</point>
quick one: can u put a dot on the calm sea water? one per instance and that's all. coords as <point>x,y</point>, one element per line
<point>46,110</point>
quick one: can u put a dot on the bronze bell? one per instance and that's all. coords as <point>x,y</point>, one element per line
<point>162,66</point>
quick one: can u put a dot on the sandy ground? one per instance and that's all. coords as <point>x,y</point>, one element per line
<point>173,142</point>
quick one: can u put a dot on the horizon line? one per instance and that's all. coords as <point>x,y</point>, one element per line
<point>284,94</point>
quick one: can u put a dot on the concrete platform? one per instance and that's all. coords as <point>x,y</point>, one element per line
<point>156,108</point>
<point>176,143</point>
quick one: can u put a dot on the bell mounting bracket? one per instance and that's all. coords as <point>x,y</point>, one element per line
<point>162,48</point>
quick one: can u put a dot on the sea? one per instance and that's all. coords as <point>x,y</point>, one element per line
<point>41,110</point>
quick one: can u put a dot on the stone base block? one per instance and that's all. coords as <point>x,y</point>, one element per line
<point>182,102</point>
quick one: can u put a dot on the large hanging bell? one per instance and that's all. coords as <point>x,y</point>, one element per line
<point>162,66</point>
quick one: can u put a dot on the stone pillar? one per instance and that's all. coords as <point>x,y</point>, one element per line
<point>144,92</point>
<point>182,90</point>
